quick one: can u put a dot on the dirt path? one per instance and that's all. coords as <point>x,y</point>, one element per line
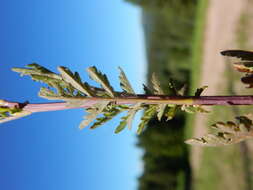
<point>222,20</point>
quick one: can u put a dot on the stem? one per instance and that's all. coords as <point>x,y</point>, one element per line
<point>147,99</point>
<point>154,99</point>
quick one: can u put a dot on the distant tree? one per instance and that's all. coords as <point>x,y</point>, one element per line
<point>159,3</point>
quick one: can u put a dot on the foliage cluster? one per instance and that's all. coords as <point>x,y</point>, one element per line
<point>68,86</point>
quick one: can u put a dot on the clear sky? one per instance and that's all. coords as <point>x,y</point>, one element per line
<point>47,150</point>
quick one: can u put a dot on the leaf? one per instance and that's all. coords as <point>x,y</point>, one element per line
<point>75,81</point>
<point>109,114</point>
<point>101,79</point>
<point>124,83</point>
<point>48,94</point>
<point>121,126</point>
<point>242,54</point>
<point>200,90</point>
<point>147,116</point>
<point>200,109</point>
<point>158,90</point>
<point>3,103</point>
<point>245,67</point>
<point>245,123</point>
<point>147,90</point>
<point>64,88</point>
<point>193,109</point>
<point>171,112</point>
<point>156,85</point>
<point>41,74</point>
<point>131,113</point>
<point>227,133</point>
<point>128,119</point>
<point>38,73</point>
<point>182,91</point>
<point>209,140</point>
<point>34,68</point>
<point>93,112</point>
<point>248,79</point>
<point>160,110</point>
<point>172,86</point>
<point>8,113</point>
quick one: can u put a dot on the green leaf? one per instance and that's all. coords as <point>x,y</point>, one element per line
<point>131,113</point>
<point>147,90</point>
<point>193,109</point>
<point>121,126</point>
<point>41,74</point>
<point>34,68</point>
<point>75,81</point>
<point>200,109</point>
<point>109,113</point>
<point>147,116</point>
<point>124,83</point>
<point>160,110</point>
<point>48,94</point>
<point>156,85</point>
<point>182,91</point>
<point>170,112</point>
<point>38,73</point>
<point>93,112</point>
<point>11,113</point>
<point>101,79</point>
<point>128,119</point>
<point>173,88</point>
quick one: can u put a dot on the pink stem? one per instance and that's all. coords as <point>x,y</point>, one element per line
<point>154,99</point>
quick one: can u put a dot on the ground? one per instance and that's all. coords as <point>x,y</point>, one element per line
<point>224,20</point>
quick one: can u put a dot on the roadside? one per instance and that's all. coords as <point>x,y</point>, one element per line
<point>220,34</point>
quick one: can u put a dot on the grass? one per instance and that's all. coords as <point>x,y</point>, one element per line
<point>221,168</point>
<point>224,167</point>
<point>197,45</point>
<point>197,56</point>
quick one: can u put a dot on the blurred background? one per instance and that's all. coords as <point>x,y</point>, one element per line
<point>179,39</point>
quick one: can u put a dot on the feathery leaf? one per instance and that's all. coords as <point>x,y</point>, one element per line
<point>156,85</point>
<point>160,110</point>
<point>242,54</point>
<point>227,133</point>
<point>109,113</point>
<point>121,126</point>
<point>93,112</point>
<point>75,81</point>
<point>124,83</point>
<point>97,76</point>
<point>147,116</point>
<point>170,112</point>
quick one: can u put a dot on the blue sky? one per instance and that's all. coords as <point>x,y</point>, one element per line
<point>47,150</point>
